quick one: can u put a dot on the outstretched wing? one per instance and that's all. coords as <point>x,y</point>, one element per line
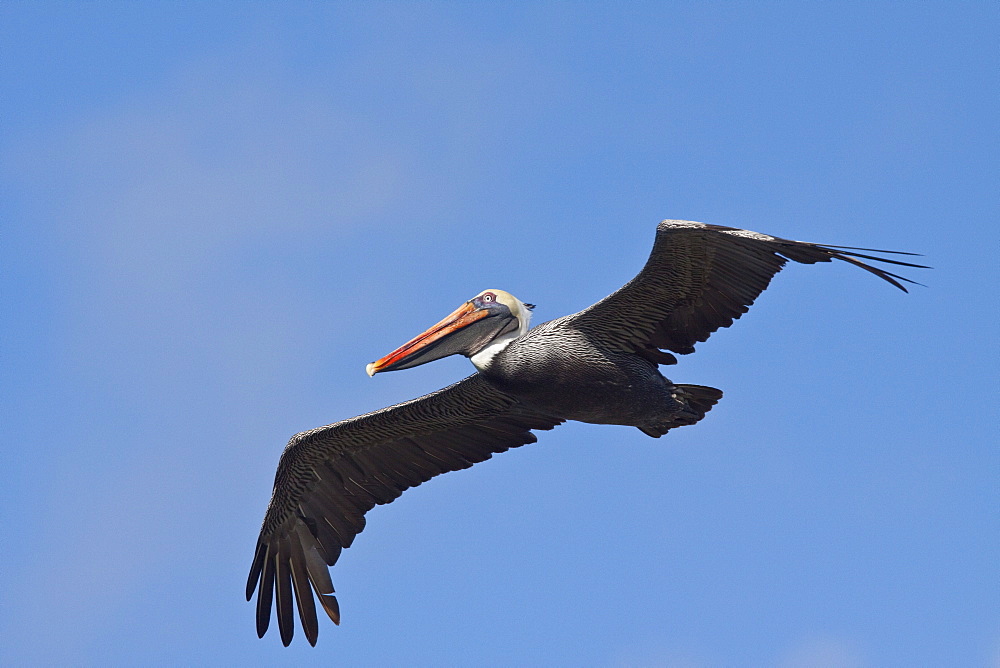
<point>700,278</point>
<point>328,478</point>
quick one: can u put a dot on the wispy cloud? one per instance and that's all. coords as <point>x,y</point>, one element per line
<point>821,651</point>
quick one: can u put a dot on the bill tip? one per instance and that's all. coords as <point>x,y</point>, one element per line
<point>370,368</point>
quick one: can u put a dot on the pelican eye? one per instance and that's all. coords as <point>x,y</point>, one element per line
<point>489,297</point>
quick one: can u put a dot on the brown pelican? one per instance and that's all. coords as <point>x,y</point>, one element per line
<point>598,365</point>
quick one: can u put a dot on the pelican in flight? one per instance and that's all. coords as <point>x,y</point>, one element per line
<point>599,365</point>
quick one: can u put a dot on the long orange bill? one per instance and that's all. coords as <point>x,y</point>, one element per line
<point>463,316</point>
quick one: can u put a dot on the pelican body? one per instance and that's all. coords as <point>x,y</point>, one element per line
<point>600,365</point>
<point>555,368</point>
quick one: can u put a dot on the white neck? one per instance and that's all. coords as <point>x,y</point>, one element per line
<point>482,359</point>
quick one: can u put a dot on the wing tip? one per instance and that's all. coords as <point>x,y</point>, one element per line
<point>331,606</point>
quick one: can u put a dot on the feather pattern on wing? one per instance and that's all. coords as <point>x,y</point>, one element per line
<point>700,278</point>
<point>329,477</point>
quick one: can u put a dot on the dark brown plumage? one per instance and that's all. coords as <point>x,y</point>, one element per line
<point>700,278</point>
<point>328,478</point>
<point>599,365</point>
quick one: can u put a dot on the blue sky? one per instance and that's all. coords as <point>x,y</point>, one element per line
<point>212,216</point>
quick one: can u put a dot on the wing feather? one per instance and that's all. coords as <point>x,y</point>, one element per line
<point>266,594</point>
<point>700,278</point>
<point>328,478</point>
<point>303,595</point>
<point>283,590</point>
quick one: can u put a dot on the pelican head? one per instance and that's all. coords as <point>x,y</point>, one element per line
<point>478,329</point>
